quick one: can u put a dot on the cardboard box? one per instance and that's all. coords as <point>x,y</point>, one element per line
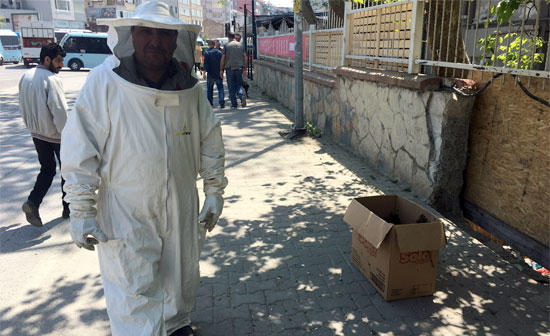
<point>399,258</point>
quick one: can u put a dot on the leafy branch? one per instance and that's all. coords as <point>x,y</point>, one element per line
<point>513,49</point>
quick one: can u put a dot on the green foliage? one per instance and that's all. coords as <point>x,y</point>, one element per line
<point>505,9</point>
<point>512,49</point>
<point>312,130</point>
<point>520,50</point>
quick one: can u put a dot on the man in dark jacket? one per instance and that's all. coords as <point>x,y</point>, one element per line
<point>212,59</point>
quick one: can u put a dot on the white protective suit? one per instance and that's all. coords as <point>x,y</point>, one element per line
<point>142,149</point>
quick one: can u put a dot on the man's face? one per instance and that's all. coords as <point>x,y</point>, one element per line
<point>54,65</point>
<point>238,37</point>
<point>154,47</point>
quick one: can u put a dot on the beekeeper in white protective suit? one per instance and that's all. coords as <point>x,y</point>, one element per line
<point>139,134</point>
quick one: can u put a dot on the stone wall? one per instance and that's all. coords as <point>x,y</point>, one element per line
<point>401,124</point>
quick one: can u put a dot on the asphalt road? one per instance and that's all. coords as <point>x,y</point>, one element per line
<point>10,74</point>
<point>47,286</point>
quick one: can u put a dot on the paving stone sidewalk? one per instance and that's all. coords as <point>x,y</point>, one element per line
<point>278,263</point>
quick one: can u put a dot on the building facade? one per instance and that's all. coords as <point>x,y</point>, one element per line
<point>216,14</point>
<point>13,14</point>
<point>237,12</point>
<point>107,9</point>
<point>64,14</point>
<point>190,11</point>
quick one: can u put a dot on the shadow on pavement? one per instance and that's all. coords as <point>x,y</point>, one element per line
<point>288,271</point>
<point>17,237</point>
<point>49,312</point>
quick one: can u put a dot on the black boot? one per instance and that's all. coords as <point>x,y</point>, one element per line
<point>31,212</point>
<point>66,212</point>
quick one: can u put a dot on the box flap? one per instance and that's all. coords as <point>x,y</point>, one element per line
<point>420,237</point>
<point>355,213</point>
<point>366,223</point>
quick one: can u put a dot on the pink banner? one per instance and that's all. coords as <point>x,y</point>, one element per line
<point>282,46</point>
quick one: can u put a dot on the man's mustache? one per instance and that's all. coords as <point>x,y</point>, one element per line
<point>156,49</point>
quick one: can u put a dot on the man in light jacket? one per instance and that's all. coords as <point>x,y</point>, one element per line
<point>44,110</point>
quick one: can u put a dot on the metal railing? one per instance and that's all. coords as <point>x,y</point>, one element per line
<point>329,20</point>
<point>464,35</point>
<point>448,38</point>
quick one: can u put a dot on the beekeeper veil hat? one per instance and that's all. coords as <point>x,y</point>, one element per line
<point>153,14</point>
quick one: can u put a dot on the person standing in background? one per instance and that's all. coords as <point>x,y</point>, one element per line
<point>212,59</point>
<point>233,61</point>
<point>198,58</point>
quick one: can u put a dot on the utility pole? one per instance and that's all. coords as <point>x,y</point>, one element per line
<point>298,129</point>
<point>244,37</point>
<point>254,30</point>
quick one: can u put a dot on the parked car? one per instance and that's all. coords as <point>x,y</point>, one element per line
<point>85,50</point>
<point>60,33</point>
<point>9,47</point>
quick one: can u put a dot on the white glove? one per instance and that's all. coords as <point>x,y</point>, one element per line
<point>86,233</point>
<point>211,211</point>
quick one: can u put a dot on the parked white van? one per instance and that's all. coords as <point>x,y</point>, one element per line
<point>85,50</point>
<point>10,48</point>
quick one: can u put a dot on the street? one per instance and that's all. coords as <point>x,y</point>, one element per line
<point>277,263</point>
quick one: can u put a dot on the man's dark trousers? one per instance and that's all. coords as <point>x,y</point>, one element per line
<point>210,90</point>
<point>47,152</point>
<point>234,82</point>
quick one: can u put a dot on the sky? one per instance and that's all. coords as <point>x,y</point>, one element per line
<point>281,3</point>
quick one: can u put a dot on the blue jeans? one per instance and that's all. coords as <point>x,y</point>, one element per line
<point>210,90</point>
<point>234,83</point>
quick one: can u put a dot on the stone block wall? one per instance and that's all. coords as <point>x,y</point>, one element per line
<point>401,124</point>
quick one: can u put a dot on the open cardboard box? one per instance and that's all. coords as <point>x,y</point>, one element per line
<point>400,260</point>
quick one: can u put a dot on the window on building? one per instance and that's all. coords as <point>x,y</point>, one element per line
<point>196,2</point>
<point>63,5</point>
<point>184,11</point>
<point>184,2</point>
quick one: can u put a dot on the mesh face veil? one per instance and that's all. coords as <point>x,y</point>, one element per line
<point>153,14</point>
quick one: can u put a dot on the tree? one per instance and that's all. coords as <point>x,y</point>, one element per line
<point>523,51</point>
